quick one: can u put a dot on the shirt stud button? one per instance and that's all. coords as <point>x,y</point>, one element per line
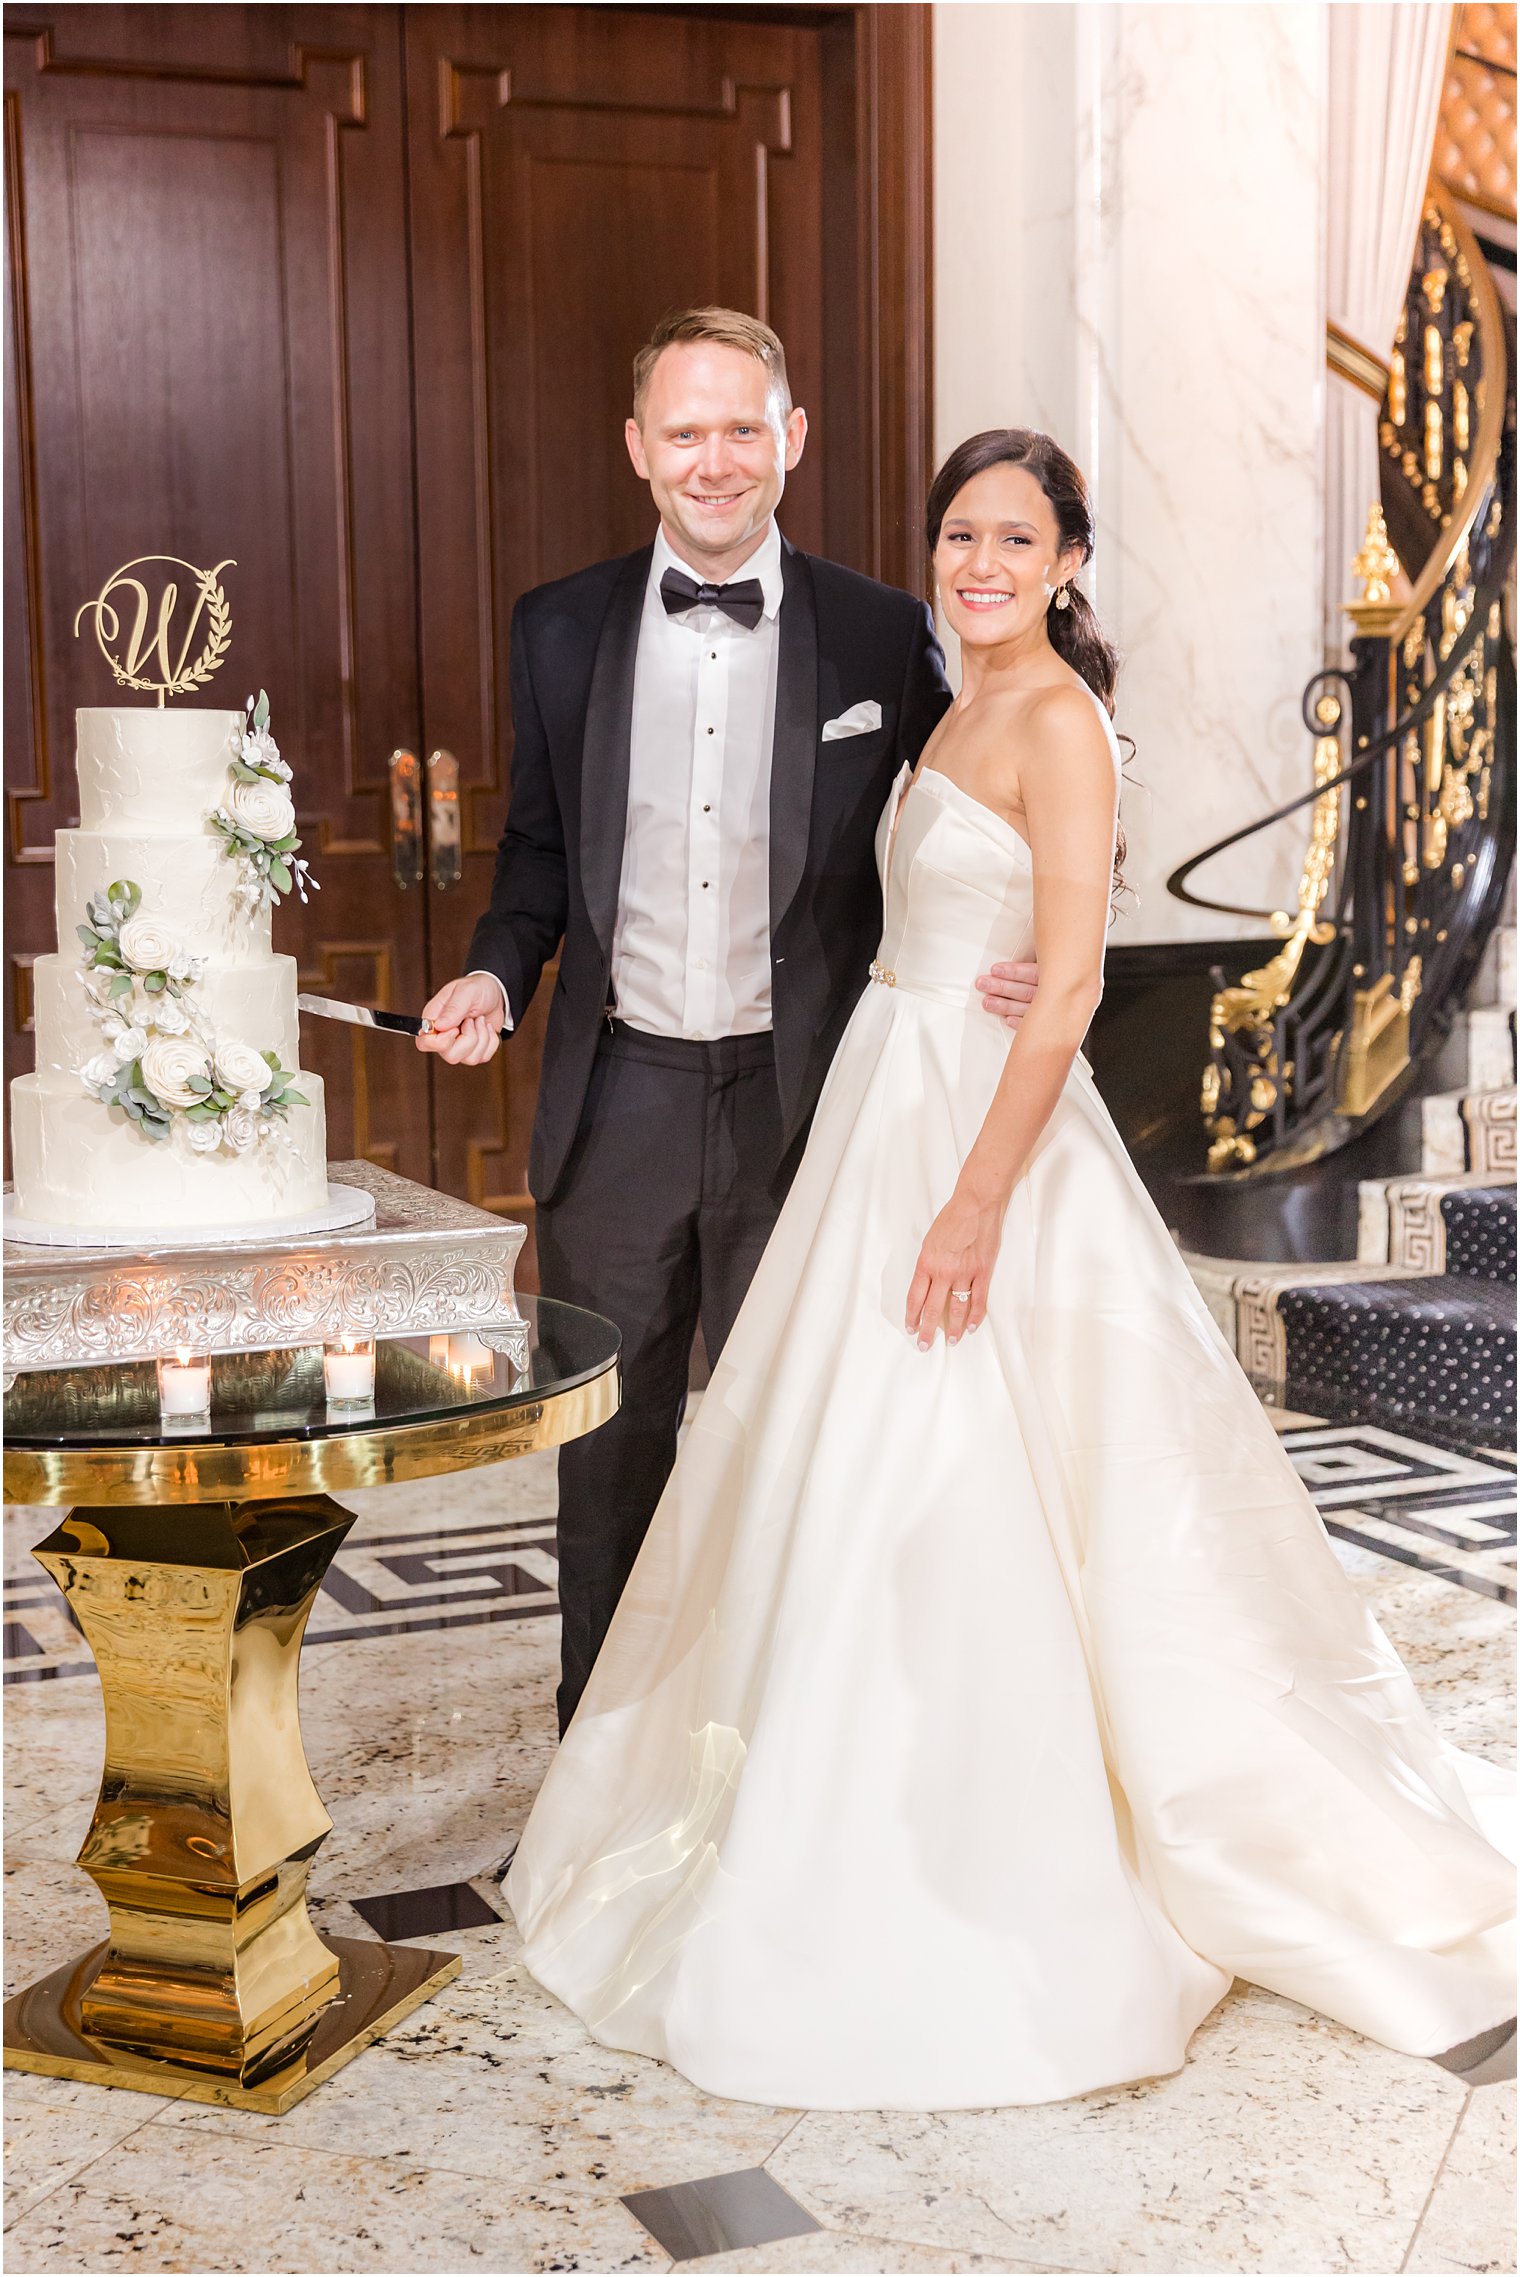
<point>709,731</point>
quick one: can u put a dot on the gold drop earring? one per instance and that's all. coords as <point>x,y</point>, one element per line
<point>1063,598</point>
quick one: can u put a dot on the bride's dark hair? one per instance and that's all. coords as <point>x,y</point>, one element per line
<point>1075,633</point>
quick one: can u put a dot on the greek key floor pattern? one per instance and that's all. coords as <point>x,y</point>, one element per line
<point>488,2132</point>
<point>1447,1514</point>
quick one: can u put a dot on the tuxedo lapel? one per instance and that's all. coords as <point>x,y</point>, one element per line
<point>794,748</point>
<point>606,746</point>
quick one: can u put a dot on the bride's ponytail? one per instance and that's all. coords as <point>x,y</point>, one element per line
<point>1075,633</point>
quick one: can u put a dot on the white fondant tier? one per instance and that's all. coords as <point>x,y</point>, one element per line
<point>187,883</point>
<point>147,771</point>
<point>81,1164</point>
<point>247,1004</point>
<point>147,781</point>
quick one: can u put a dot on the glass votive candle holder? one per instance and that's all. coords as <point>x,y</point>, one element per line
<point>348,1372</point>
<point>184,1387</point>
<point>470,1357</point>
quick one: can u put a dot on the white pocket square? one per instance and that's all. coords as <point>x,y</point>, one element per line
<point>860,719</point>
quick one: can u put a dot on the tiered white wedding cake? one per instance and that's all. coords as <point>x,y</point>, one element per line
<point>167,1093</point>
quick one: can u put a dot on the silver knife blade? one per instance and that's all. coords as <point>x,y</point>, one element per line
<point>361,1016</point>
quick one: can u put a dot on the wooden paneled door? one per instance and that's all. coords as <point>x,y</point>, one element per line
<point>575,172</point>
<point>209,323</point>
<point>351,295</point>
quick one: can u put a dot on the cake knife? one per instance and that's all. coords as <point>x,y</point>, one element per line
<point>360,1016</point>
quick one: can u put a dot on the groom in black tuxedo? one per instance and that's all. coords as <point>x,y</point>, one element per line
<point>706,732</point>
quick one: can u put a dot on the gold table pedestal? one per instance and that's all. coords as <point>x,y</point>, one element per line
<point>207,1820</point>
<point>191,1564</point>
<point>377,1985</point>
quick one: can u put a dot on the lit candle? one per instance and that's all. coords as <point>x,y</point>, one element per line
<point>348,1372</point>
<point>184,1384</point>
<point>470,1356</point>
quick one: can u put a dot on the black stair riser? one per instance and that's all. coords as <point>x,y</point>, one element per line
<point>1430,1357</point>
<point>1480,1233</point>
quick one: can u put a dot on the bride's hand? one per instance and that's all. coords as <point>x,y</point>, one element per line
<point>949,1289</point>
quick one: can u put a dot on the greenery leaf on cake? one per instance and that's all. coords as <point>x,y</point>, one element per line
<point>256,818</point>
<point>162,1066</point>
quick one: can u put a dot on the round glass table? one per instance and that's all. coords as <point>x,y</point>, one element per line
<point>191,1552</point>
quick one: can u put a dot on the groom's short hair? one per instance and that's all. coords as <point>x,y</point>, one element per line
<point>728,328</point>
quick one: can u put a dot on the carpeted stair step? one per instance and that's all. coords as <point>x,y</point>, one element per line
<point>1480,1233</point>
<point>1463,1224</point>
<point>1430,1355</point>
<point>1471,1130</point>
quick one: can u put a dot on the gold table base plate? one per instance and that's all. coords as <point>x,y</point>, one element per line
<point>378,1985</point>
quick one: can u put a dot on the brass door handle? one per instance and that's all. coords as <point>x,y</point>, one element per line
<point>406,819</point>
<point>445,821</point>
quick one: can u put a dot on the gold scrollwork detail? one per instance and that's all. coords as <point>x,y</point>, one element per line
<point>1249,1008</point>
<point>1434,448</point>
<point>1434,360</point>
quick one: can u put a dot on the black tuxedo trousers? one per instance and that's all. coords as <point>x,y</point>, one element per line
<point>658,1164</point>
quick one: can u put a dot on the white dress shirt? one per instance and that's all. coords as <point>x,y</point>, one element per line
<point>691,948</point>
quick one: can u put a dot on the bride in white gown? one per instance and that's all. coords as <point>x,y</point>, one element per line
<point>987,1694</point>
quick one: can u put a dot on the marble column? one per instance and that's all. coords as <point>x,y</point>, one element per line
<point>1129,253</point>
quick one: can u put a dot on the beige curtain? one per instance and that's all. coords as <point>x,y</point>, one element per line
<point>1386,71</point>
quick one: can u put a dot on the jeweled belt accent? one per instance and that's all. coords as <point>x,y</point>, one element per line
<point>884,974</point>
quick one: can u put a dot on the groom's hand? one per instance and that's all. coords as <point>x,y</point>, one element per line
<point>466,1021</point>
<point>1008,990</point>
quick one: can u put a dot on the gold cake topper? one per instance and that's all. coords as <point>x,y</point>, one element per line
<point>176,676</point>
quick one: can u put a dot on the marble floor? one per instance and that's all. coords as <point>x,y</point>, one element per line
<point>488,2133</point>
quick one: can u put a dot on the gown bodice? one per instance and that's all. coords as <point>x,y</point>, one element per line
<point>957,890</point>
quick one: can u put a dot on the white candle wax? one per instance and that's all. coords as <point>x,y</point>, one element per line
<point>470,1356</point>
<point>349,1376</point>
<point>184,1387</point>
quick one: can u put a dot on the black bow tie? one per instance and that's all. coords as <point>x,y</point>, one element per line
<point>744,602</point>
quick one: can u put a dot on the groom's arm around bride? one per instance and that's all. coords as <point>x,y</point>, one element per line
<point>706,733</point>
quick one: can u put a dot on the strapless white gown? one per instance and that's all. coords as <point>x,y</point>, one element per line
<point>972,1717</point>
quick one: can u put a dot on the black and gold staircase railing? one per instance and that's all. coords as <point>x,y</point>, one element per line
<point>1413,793</point>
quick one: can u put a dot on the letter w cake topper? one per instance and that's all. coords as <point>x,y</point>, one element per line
<point>133,664</point>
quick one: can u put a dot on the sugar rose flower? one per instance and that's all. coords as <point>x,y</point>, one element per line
<point>260,750</point>
<point>239,1067</point>
<point>100,1070</point>
<point>128,1044</point>
<point>203,1138</point>
<point>240,1129</point>
<point>170,1066</point>
<point>146,945</point>
<point>263,809</point>
<point>170,1017</point>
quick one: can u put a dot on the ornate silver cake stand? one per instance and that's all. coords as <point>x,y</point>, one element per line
<point>345,1205</point>
<point>422,1264</point>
